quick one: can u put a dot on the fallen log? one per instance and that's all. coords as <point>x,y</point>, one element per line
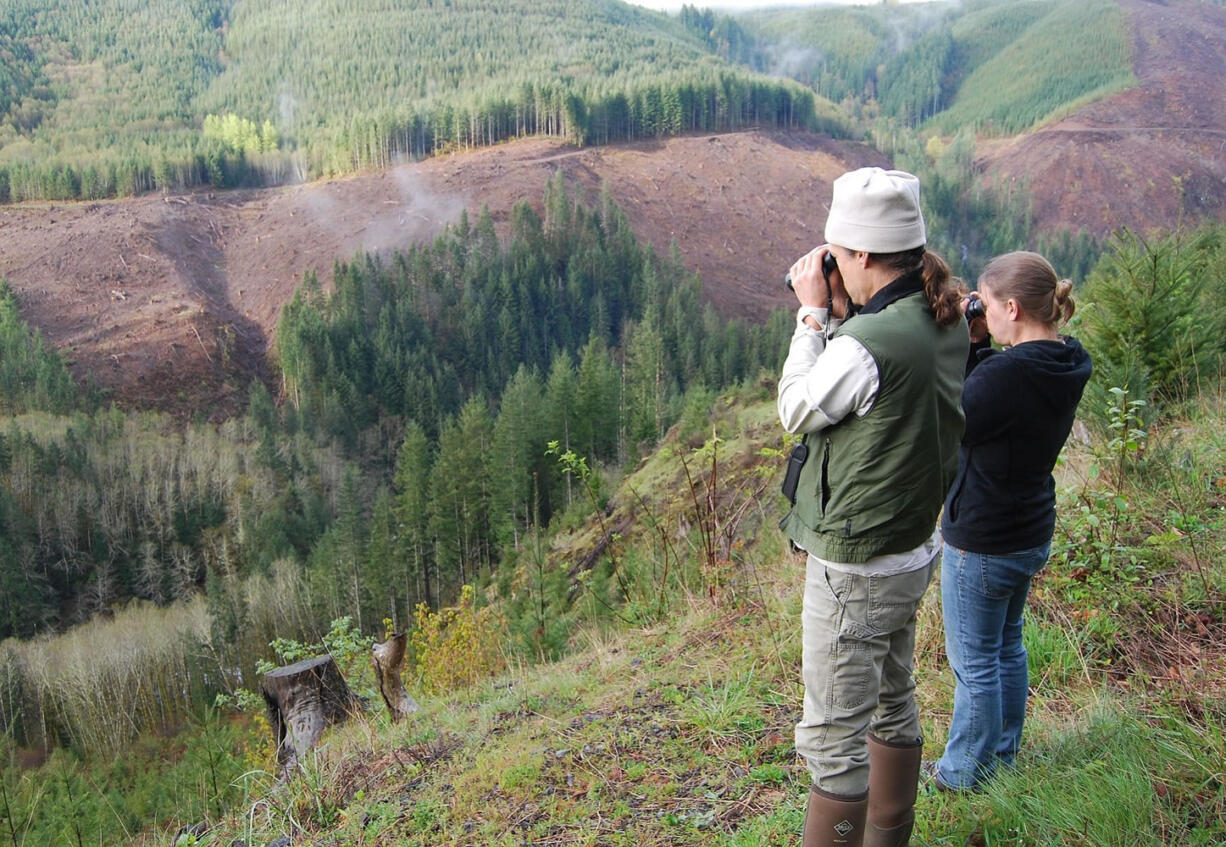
<point>303,699</point>
<point>388,658</point>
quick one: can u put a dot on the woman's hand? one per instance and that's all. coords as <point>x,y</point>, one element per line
<point>812,290</point>
<point>979,323</point>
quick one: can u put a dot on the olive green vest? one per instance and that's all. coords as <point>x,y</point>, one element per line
<point>874,485</point>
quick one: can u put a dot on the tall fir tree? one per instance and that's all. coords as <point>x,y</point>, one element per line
<point>412,485</point>
<point>460,496</point>
<point>516,460</point>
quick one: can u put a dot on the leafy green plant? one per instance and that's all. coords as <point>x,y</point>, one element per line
<point>1091,543</point>
<point>457,645</point>
<point>344,642</point>
<point>1128,432</point>
<point>769,774</point>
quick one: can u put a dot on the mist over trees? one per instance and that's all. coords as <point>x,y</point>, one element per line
<point>408,448</point>
<point>116,98</point>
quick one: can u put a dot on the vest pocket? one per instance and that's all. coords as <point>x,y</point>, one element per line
<point>824,494</point>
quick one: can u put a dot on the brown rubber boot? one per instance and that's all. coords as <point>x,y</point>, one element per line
<point>834,821</point>
<point>893,780</point>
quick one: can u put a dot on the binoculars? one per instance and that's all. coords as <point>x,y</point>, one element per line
<point>828,267</point>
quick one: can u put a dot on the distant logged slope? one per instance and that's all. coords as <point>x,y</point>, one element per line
<point>171,301</point>
<point>1149,157</point>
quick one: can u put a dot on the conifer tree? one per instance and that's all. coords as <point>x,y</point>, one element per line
<point>412,485</point>
<point>350,537</point>
<point>460,496</point>
<point>380,568</point>
<point>516,459</point>
<point>646,380</point>
<point>597,402</point>
<point>560,402</point>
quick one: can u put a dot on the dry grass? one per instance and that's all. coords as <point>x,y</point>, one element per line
<point>105,682</point>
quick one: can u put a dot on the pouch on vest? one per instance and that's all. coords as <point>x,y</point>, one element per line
<point>796,461</point>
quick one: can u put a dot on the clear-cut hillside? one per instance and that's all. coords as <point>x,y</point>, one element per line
<point>171,301</point>
<point>1150,157</point>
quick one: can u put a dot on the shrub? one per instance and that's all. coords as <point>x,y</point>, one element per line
<point>457,645</point>
<point>1149,316</point>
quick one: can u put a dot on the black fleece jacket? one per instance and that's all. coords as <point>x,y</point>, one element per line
<point>1019,406</point>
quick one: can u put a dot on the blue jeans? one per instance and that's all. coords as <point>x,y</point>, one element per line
<point>982,598</point>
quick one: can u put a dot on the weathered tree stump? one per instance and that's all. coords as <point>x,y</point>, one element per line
<point>387,658</point>
<point>303,699</point>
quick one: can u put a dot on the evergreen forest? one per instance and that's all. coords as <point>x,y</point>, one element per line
<point>996,68</point>
<point>540,451</point>
<point>407,458</point>
<point>112,98</point>
<point>116,98</point>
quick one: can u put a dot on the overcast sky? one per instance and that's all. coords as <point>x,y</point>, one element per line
<point>729,5</point>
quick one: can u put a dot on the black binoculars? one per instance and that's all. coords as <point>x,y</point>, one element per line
<point>828,267</point>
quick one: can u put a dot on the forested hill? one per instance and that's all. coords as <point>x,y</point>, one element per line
<point>1083,116</point>
<point>120,96</point>
<point>996,67</point>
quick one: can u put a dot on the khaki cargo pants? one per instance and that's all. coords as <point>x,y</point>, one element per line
<point>859,641</point>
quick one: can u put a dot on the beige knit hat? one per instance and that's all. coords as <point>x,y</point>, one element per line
<point>876,211</point>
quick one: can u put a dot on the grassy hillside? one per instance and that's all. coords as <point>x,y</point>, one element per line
<point>627,672</point>
<point>1075,53</point>
<point>998,66</point>
<point>677,729</point>
<point>112,97</point>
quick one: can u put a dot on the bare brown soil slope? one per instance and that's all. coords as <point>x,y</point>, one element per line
<point>1149,157</point>
<point>171,302</point>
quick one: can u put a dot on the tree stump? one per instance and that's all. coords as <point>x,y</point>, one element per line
<point>388,657</point>
<point>303,699</point>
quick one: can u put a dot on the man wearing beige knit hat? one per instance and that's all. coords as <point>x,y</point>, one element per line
<point>873,380</point>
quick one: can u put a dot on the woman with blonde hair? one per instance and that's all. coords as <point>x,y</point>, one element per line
<point>1000,513</point>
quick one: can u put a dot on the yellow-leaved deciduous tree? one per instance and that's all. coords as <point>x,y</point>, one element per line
<point>457,645</point>
<point>240,134</point>
<point>935,148</point>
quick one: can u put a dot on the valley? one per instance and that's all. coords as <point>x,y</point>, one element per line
<point>170,301</point>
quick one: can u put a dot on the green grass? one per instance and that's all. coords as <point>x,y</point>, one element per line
<point>1115,777</point>
<point>1075,53</point>
<point>654,739</point>
<point>1055,653</point>
<point>679,731</point>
